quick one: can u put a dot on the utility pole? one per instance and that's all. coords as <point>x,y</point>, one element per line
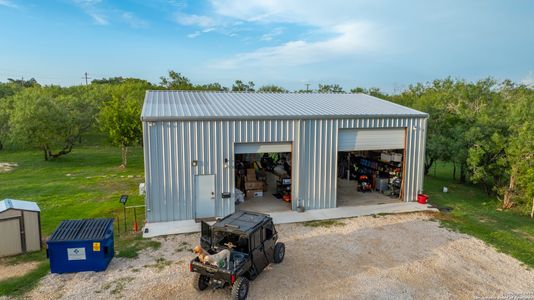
<point>86,78</point>
<point>307,87</point>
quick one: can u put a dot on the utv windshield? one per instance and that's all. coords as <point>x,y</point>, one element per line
<point>220,238</point>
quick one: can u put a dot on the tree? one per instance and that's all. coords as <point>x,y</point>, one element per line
<point>120,116</point>
<point>272,89</point>
<point>24,83</point>
<point>6,105</point>
<point>519,148</point>
<point>211,87</point>
<point>176,81</point>
<point>239,86</point>
<point>50,118</point>
<point>110,80</point>
<point>330,88</point>
<point>373,91</point>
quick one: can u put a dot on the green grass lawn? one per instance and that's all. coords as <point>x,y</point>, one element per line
<point>477,214</point>
<point>86,183</point>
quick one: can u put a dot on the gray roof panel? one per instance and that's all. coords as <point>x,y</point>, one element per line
<point>194,105</point>
<point>18,204</point>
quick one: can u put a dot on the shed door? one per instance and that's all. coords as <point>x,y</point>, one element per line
<point>205,196</point>
<point>244,148</point>
<point>11,239</point>
<point>371,139</point>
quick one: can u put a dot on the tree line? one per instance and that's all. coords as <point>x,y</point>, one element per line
<point>485,129</point>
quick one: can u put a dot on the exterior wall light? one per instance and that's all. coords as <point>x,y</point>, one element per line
<point>194,163</point>
<point>226,163</point>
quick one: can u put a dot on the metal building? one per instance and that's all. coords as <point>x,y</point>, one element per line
<point>190,139</point>
<point>20,227</point>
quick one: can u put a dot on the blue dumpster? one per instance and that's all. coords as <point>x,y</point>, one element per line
<point>81,245</point>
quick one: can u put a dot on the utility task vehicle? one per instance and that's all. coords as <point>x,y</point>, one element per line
<point>253,237</point>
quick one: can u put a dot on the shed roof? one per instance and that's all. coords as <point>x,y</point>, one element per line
<point>18,204</point>
<point>195,105</point>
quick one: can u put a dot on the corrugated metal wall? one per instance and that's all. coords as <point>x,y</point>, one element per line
<point>170,148</point>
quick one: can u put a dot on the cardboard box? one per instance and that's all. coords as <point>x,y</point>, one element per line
<point>254,194</point>
<point>251,178</point>
<point>396,157</point>
<point>253,185</point>
<point>385,157</point>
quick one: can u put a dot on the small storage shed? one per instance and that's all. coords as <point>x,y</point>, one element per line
<point>81,245</point>
<point>20,227</point>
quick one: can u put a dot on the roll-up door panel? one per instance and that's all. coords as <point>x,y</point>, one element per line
<point>371,139</point>
<point>262,148</point>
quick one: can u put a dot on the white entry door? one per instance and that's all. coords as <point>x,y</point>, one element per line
<point>371,139</point>
<point>205,196</point>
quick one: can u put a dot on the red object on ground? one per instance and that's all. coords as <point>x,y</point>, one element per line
<point>286,197</point>
<point>422,198</point>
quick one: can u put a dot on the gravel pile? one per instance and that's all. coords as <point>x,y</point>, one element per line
<point>389,257</point>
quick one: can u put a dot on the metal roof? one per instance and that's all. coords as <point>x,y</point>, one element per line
<point>82,230</point>
<point>18,204</point>
<point>200,105</point>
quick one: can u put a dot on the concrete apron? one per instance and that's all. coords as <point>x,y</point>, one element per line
<point>188,226</point>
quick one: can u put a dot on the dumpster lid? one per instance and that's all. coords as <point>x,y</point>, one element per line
<point>81,230</point>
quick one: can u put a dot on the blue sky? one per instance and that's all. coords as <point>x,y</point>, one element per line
<point>387,44</point>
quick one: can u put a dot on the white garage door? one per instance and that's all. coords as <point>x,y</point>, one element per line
<point>262,148</point>
<point>370,139</point>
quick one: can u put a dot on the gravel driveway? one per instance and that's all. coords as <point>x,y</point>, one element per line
<point>388,257</point>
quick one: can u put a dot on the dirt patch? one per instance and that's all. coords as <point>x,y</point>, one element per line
<point>9,271</point>
<point>6,167</point>
<point>389,257</point>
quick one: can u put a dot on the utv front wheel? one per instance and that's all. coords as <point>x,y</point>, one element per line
<point>279,252</point>
<point>200,282</point>
<point>240,289</point>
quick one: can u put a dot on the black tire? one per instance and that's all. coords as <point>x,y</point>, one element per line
<point>279,252</point>
<point>200,282</point>
<point>240,289</point>
<point>252,274</point>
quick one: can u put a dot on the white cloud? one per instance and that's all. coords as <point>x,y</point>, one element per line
<point>90,7</point>
<point>194,20</point>
<point>314,13</point>
<point>340,33</point>
<point>99,19</point>
<point>194,34</point>
<point>528,80</point>
<point>8,3</point>
<point>181,4</point>
<point>349,39</point>
<point>133,20</point>
<point>270,35</point>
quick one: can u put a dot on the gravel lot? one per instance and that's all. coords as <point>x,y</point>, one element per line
<point>388,257</point>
